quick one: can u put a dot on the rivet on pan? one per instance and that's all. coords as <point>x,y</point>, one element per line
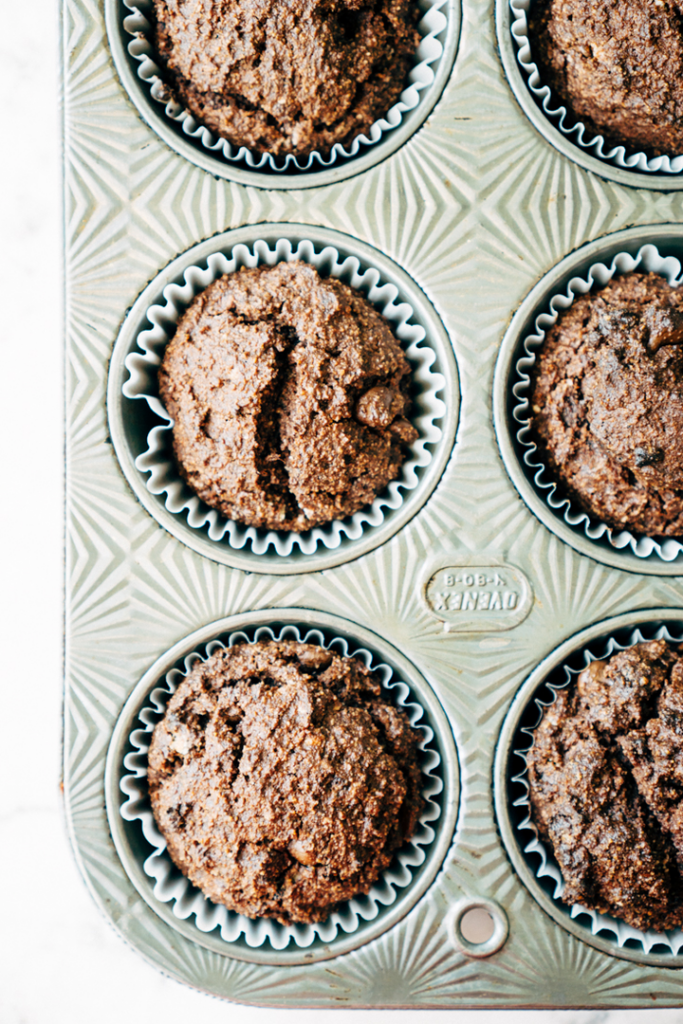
<point>477,927</point>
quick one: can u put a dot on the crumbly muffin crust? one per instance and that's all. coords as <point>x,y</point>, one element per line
<point>607,403</point>
<point>288,394</point>
<point>283,779</point>
<point>617,65</point>
<point>606,786</point>
<point>284,77</point>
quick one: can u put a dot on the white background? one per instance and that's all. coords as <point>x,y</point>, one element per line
<point>60,962</point>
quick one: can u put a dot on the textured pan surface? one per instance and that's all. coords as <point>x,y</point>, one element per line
<point>476,207</point>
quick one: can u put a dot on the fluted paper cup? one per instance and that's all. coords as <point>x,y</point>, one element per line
<point>566,121</point>
<point>138,26</point>
<point>187,901</point>
<point>647,259</point>
<point>157,465</point>
<point>538,854</point>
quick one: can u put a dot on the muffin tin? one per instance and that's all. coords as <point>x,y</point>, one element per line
<point>473,597</point>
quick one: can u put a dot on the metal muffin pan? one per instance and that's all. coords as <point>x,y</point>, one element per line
<point>474,590</point>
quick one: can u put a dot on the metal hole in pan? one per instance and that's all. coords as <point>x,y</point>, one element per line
<point>478,927</point>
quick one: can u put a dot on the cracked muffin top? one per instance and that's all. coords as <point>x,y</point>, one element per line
<point>617,65</point>
<point>289,396</point>
<point>607,403</point>
<point>606,785</point>
<point>283,779</point>
<point>286,76</point>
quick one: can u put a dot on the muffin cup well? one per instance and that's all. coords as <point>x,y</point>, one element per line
<point>538,855</point>
<point>566,122</point>
<point>438,28</point>
<point>171,887</point>
<point>647,258</point>
<point>154,465</point>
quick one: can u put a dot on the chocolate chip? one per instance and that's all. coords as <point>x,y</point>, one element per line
<point>379,407</point>
<point>643,457</point>
<point>665,326</point>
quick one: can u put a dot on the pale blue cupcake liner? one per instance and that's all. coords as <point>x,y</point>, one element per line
<point>171,886</point>
<point>646,259</point>
<point>539,854</point>
<point>566,121</point>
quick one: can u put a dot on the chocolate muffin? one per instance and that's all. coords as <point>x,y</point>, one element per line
<point>283,779</point>
<point>607,404</point>
<point>287,77</point>
<point>288,394</point>
<point>606,786</point>
<point>618,66</point>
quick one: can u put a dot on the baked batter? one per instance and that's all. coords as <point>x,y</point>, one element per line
<point>606,786</point>
<point>617,64</point>
<point>283,779</point>
<point>607,403</point>
<point>287,76</point>
<point>289,394</point>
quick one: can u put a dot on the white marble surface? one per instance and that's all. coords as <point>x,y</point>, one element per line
<point>61,962</point>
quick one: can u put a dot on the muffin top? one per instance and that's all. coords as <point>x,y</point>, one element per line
<point>283,779</point>
<point>607,403</point>
<point>606,786</point>
<point>617,65</point>
<point>287,76</point>
<point>288,394</point>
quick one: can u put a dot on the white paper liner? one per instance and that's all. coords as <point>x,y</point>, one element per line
<point>648,259</point>
<point>567,122</point>
<point>430,49</point>
<point>171,886</point>
<point>539,856</point>
<point>426,408</point>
